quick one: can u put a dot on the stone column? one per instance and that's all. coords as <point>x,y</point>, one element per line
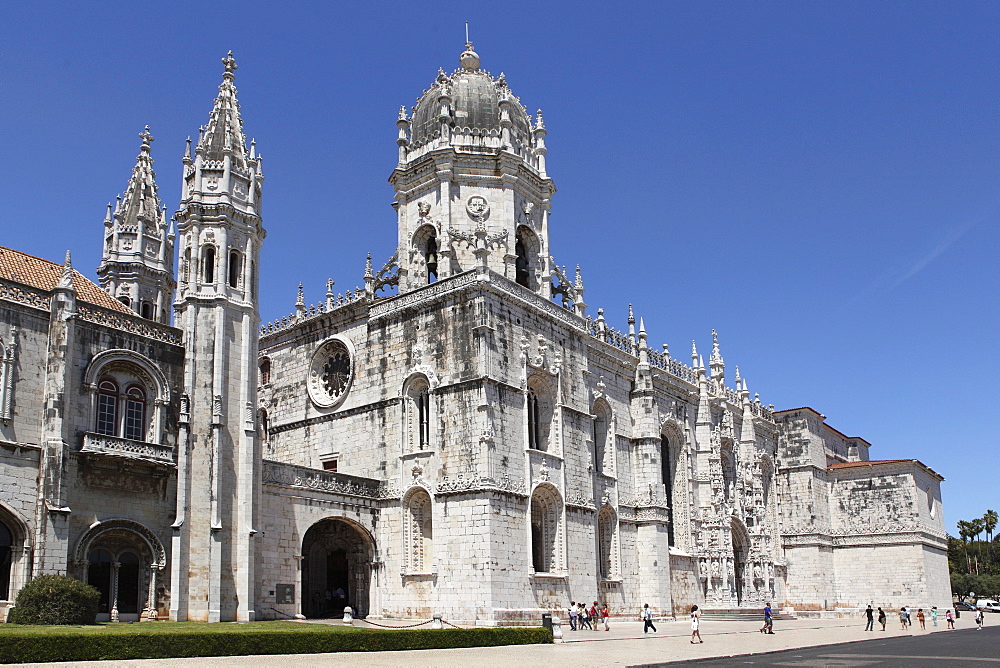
<point>151,595</point>
<point>114,590</point>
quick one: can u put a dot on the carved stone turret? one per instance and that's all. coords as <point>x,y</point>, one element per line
<point>471,187</point>
<point>137,265</point>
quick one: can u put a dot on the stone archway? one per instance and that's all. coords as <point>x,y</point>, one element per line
<point>741,553</point>
<point>336,568</point>
<point>122,559</point>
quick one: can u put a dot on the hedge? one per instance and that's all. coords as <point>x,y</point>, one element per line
<point>20,645</point>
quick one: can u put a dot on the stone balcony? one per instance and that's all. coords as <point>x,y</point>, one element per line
<point>127,448</point>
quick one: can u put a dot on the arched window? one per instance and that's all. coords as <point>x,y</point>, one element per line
<point>208,265</point>
<point>128,396</point>
<point>418,533</point>
<point>607,543</point>
<point>667,469</point>
<point>107,408</point>
<point>545,527</point>
<point>125,300</point>
<point>265,371</point>
<point>602,425</point>
<point>147,310</point>
<point>135,414</point>
<point>522,275</point>
<point>539,408</point>
<point>432,259</point>
<point>6,558</point>
<point>417,414</point>
<point>534,435</point>
<point>235,268</point>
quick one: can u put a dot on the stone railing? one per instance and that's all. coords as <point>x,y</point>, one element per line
<point>331,304</point>
<point>672,366</point>
<point>292,475</point>
<point>132,324</point>
<point>126,447</point>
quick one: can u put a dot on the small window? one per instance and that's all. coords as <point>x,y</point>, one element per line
<point>135,414</point>
<point>208,265</point>
<point>534,428</point>
<point>264,425</point>
<point>107,408</point>
<point>147,311</point>
<point>330,465</point>
<point>265,372</point>
<point>235,267</point>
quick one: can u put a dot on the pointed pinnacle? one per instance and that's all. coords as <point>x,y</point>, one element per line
<point>631,316</point>
<point>230,63</point>
<point>368,267</point>
<point>301,300</point>
<point>642,328</point>
<point>107,216</point>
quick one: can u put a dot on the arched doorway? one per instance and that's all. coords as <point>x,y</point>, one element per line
<point>122,559</point>
<point>741,551</point>
<point>336,568</point>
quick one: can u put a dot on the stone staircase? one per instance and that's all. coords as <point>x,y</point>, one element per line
<point>741,614</point>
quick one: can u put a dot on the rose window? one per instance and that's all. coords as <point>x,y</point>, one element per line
<point>330,374</point>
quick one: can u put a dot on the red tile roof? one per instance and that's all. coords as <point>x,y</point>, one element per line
<point>848,465</point>
<point>44,275</point>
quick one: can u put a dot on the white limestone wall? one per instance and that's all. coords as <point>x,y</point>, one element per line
<point>812,576</point>
<point>891,576</point>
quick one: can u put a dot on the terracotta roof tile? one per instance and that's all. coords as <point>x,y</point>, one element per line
<point>45,275</point>
<point>849,465</point>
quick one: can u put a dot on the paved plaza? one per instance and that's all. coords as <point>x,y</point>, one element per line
<point>625,645</point>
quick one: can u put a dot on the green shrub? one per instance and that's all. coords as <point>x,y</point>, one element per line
<point>136,642</point>
<point>55,599</point>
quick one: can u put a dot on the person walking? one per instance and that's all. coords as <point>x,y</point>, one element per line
<point>902,618</point>
<point>909,616</point>
<point>934,614</point>
<point>949,619</point>
<point>605,613</point>
<point>768,626</point>
<point>695,624</point>
<point>881,618</point>
<point>572,615</point>
<point>594,614</point>
<point>647,619</point>
<point>920,618</point>
<point>870,614</point>
<point>979,619</point>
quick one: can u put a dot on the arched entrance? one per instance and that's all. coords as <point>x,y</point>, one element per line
<point>122,559</point>
<point>336,568</point>
<point>741,551</point>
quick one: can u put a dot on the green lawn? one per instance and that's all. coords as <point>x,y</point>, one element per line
<point>172,627</point>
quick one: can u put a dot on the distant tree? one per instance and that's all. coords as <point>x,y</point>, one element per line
<point>976,526</point>
<point>965,531</point>
<point>990,523</point>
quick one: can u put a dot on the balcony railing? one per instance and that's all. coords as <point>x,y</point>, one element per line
<point>126,447</point>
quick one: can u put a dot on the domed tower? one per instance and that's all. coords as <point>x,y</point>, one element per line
<point>471,186</point>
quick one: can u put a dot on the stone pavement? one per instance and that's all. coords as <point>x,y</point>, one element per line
<point>623,645</point>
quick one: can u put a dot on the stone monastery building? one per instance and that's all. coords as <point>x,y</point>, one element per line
<point>459,436</point>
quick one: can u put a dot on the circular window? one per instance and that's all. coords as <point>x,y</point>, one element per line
<point>330,373</point>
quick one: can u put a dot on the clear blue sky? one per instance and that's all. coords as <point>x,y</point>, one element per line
<point>818,181</point>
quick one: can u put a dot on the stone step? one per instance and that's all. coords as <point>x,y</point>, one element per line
<point>740,614</point>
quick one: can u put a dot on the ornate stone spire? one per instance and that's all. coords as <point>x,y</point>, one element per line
<point>136,233</point>
<point>224,133</point>
<point>716,363</point>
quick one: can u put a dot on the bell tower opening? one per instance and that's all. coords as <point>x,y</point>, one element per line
<point>432,259</point>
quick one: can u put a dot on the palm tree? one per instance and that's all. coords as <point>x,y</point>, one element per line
<point>990,523</point>
<point>976,526</point>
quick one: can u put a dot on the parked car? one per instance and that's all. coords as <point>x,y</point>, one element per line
<point>965,605</point>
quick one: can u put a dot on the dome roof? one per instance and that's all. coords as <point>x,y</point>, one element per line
<point>475,104</point>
